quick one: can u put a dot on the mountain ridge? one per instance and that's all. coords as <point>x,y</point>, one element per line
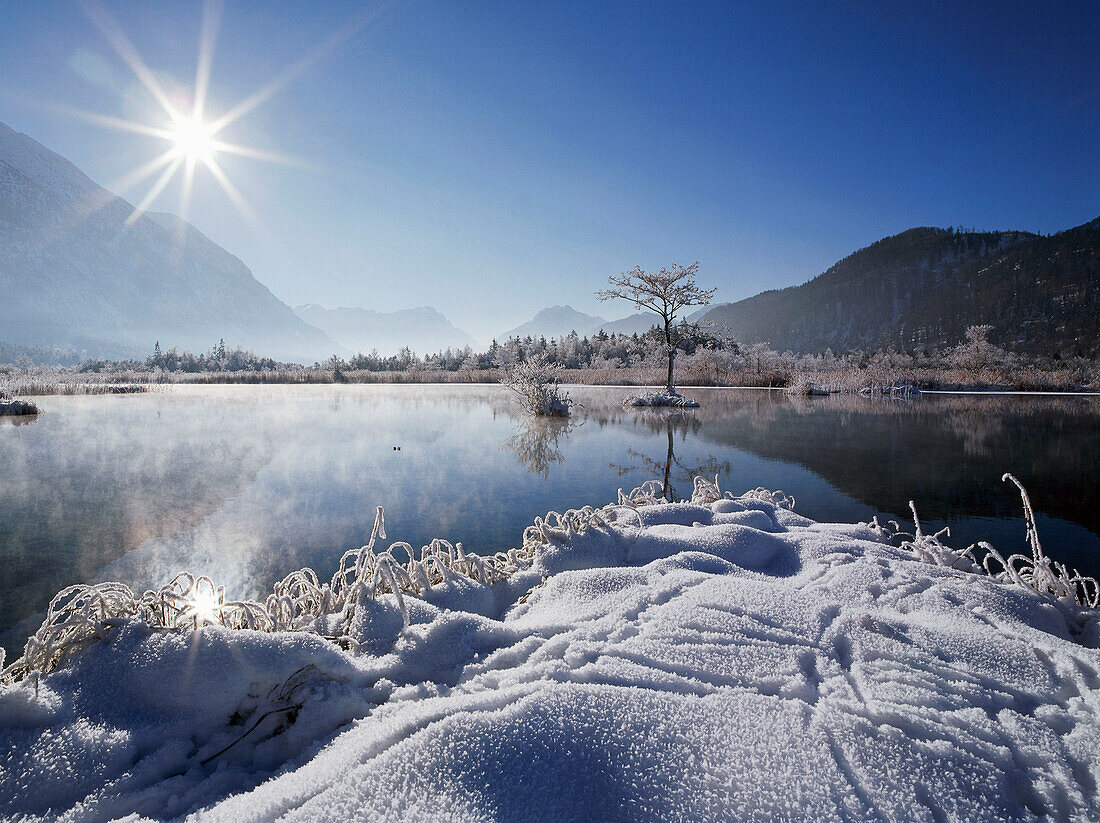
<point>80,269</point>
<point>555,321</point>
<point>921,288</point>
<point>423,329</point>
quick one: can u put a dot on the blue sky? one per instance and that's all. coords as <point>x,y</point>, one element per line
<point>491,159</point>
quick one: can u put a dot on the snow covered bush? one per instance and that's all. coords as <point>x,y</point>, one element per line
<point>802,385</point>
<point>536,383</point>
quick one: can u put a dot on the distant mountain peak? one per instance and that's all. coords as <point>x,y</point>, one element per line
<point>422,329</point>
<point>556,321</point>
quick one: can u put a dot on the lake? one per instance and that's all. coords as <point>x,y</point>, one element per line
<point>247,483</point>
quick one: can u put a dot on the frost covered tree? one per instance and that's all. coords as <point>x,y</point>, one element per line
<point>977,351</point>
<point>536,384</point>
<point>664,292</point>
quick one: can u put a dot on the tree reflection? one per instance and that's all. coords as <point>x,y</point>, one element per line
<point>536,444</point>
<point>672,469</point>
<point>18,419</point>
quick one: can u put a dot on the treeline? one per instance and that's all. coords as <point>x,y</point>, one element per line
<point>572,351</point>
<point>217,359</point>
<point>705,357</point>
<point>25,357</point>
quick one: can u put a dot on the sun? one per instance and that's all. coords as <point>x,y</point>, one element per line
<point>193,139</point>
<point>195,143</point>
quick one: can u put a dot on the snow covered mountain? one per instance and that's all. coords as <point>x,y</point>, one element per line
<point>73,273</point>
<point>423,329</point>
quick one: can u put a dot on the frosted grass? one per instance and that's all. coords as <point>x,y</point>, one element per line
<point>81,615</point>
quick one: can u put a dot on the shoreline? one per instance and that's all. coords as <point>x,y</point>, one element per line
<point>127,387</point>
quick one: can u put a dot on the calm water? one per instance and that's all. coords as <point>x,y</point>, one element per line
<point>246,483</point>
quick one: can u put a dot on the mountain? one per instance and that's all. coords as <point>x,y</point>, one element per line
<point>423,329</point>
<point>556,321</point>
<point>923,287</point>
<point>638,323</point>
<point>74,274</point>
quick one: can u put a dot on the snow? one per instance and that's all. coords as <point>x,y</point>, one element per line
<point>727,661</point>
<point>661,398</point>
<point>16,407</point>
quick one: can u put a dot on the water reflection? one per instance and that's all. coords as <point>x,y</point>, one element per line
<point>248,483</point>
<point>18,419</point>
<point>537,444</point>
<point>683,422</point>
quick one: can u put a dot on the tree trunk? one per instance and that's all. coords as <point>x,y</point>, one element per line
<point>671,354</point>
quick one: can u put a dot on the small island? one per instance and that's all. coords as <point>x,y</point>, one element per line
<point>14,407</point>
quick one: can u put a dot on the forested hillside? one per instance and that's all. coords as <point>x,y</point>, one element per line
<point>921,289</point>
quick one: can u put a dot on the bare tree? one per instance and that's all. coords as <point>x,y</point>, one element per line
<point>664,292</point>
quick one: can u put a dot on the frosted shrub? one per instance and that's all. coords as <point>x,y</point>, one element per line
<point>705,492</point>
<point>649,493</point>
<point>929,549</point>
<point>536,383</point>
<point>802,385</point>
<point>84,614</point>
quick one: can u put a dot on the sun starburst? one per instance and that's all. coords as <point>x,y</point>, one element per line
<point>193,139</point>
<point>192,136</point>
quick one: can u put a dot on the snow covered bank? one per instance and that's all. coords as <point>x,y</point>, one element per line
<point>661,398</point>
<point>723,659</point>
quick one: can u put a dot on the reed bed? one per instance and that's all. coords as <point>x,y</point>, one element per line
<point>39,383</point>
<point>806,375</point>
